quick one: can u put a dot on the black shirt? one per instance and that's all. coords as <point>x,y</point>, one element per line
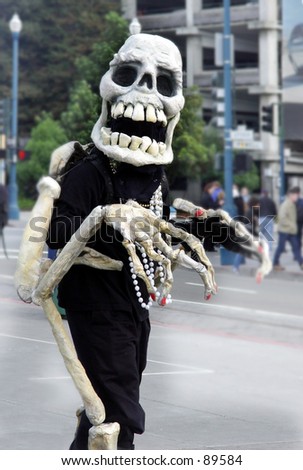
<point>84,188</point>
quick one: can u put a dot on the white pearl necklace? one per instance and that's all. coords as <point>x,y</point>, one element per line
<point>156,206</point>
<point>149,270</point>
<point>149,267</point>
<point>156,202</point>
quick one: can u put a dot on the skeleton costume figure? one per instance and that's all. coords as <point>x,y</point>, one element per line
<point>110,222</point>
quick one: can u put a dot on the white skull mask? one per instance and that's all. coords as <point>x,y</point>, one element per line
<point>142,100</point>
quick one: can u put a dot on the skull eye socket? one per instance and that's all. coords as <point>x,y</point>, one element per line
<point>125,75</point>
<point>165,85</point>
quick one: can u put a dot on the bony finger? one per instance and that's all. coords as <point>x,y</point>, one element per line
<point>207,295</point>
<point>259,277</point>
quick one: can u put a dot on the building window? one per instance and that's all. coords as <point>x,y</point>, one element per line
<point>243,60</point>
<point>248,119</point>
<point>209,59</point>
<point>149,7</point>
<point>219,3</point>
<point>246,60</point>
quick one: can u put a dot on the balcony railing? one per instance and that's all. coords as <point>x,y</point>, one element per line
<point>204,19</point>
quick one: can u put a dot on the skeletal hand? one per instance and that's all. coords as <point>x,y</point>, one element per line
<point>249,247</point>
<point>141,229</point>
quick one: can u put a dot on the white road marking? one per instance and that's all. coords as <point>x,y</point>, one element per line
<point>11,250</point>
<point>6,276</point>
<point>191,369</point>
<point>9,257</point>
<point>181,372</point>
<point>176,372</point>
<point>247,311</point>
<point>233,289</point>
<point>63,377</point>
<point>173,364</point>
<point>25,338</point>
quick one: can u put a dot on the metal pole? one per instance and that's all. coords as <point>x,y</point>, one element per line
<point>282,163</point>
<point>13,210</point>
<point>227,257</point>
<point>282,182</point>
<point>228,152</point>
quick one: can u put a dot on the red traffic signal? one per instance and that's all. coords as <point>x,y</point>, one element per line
<point>23,155</point>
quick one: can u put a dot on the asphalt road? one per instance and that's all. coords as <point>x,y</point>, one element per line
<point>226,374</point>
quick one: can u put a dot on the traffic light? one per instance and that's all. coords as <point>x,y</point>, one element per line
<point>268,119</point>
<point>23,155</point>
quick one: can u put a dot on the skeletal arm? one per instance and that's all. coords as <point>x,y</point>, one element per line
<point>226,231</point>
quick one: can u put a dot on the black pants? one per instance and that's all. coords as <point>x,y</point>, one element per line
<point>112,347</point>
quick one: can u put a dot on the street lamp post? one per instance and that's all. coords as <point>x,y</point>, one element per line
<point>228,152</point>
<point>226,256</point>
<point>15,26</point>
<point>135,27</point>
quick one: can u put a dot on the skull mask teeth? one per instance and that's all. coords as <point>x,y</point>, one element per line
<point>142,100</point>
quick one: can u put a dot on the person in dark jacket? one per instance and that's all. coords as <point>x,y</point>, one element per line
<point>251,221</point>
<point>268,213</point>
<point>209,195</point>
<point>3,207</point>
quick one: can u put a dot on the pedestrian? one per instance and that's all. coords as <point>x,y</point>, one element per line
<point>212,198</point>
<point>288,229</point>
<point>251,221</point>
<point>210,195</point>
<point>108,311</point>
<point>238,202</point>
<point>3,207</point>
<point>300,220</point>
<point>245,194</point>
<point>268,213</point>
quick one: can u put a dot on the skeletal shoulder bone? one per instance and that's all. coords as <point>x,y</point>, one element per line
<point>32,244</point>
<point>60,157</point>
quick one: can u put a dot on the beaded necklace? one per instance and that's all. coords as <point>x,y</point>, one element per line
<point>156,205</point>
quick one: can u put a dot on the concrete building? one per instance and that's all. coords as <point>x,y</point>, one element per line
<point>256,26</point>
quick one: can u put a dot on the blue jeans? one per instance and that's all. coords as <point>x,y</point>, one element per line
<point>238,260</point>
<point>267,230</point>
<point>293,240</point>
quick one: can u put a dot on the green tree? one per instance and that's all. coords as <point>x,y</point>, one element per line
<point>250,179</point>
<point>45,137</point>
<point>55,33</point>
<point>93,66</point>
<point>192,157</point>
<point>84,104</point>
<point>81,114</point>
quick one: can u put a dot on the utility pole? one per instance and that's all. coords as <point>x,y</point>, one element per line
<point>227,257</point>
<point>15,25</point>
<point>228,151</point>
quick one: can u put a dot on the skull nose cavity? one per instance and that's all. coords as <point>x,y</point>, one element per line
<point>146,80</point>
